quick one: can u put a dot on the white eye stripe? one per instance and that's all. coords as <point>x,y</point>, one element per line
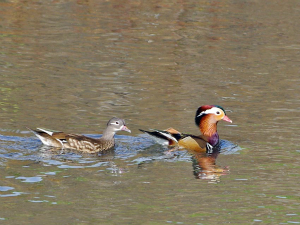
<point>201,113</point>
<point>213,110</point>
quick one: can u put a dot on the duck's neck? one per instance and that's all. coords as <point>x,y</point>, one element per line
<point>208,128</point>
<point>108,134</point>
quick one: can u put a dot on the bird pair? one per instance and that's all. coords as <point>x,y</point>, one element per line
<point>206,119</point>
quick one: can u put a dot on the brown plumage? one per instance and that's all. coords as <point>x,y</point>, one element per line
<point>80,142</point>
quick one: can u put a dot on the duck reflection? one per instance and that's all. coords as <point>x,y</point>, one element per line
<point>204,165</point>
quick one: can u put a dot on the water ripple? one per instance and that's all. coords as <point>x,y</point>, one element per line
<point>30,179</point>
<point>6,188</point>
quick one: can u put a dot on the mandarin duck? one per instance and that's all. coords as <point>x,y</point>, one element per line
<point>80,142</point>
<point>207,117</point>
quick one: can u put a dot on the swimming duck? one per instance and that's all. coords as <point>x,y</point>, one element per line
<point>207,117</point>
<point>80,142</point>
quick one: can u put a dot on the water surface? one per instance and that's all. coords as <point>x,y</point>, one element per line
<point>72,65</point>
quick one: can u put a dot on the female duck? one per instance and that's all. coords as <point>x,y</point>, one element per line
<point>80,142</point>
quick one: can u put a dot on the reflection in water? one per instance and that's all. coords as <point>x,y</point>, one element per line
<point>204,165</point>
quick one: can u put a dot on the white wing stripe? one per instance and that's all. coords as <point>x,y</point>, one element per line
<point>46,131</point>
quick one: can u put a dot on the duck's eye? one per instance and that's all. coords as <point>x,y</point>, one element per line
<point>218,112</point>
<point>117,122</point>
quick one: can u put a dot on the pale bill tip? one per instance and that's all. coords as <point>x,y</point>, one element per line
<point>226,118</point>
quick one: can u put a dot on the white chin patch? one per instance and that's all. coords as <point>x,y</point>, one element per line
<point>121,128</point>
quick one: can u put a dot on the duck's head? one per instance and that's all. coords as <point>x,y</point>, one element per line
<point>207,117</point>
<point>117,124</point>
<point>211,113</point>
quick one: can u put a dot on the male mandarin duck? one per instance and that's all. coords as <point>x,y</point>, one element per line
<point>80,142</point>
<point>207,117</point>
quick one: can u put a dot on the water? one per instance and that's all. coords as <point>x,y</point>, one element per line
<point>72,65</point>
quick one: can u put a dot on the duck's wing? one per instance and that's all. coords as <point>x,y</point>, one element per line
<point>166,137</point>
<point>172,137</point>
<point>50,137</point>
<point>86,144</point>
<point>193,142</point>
